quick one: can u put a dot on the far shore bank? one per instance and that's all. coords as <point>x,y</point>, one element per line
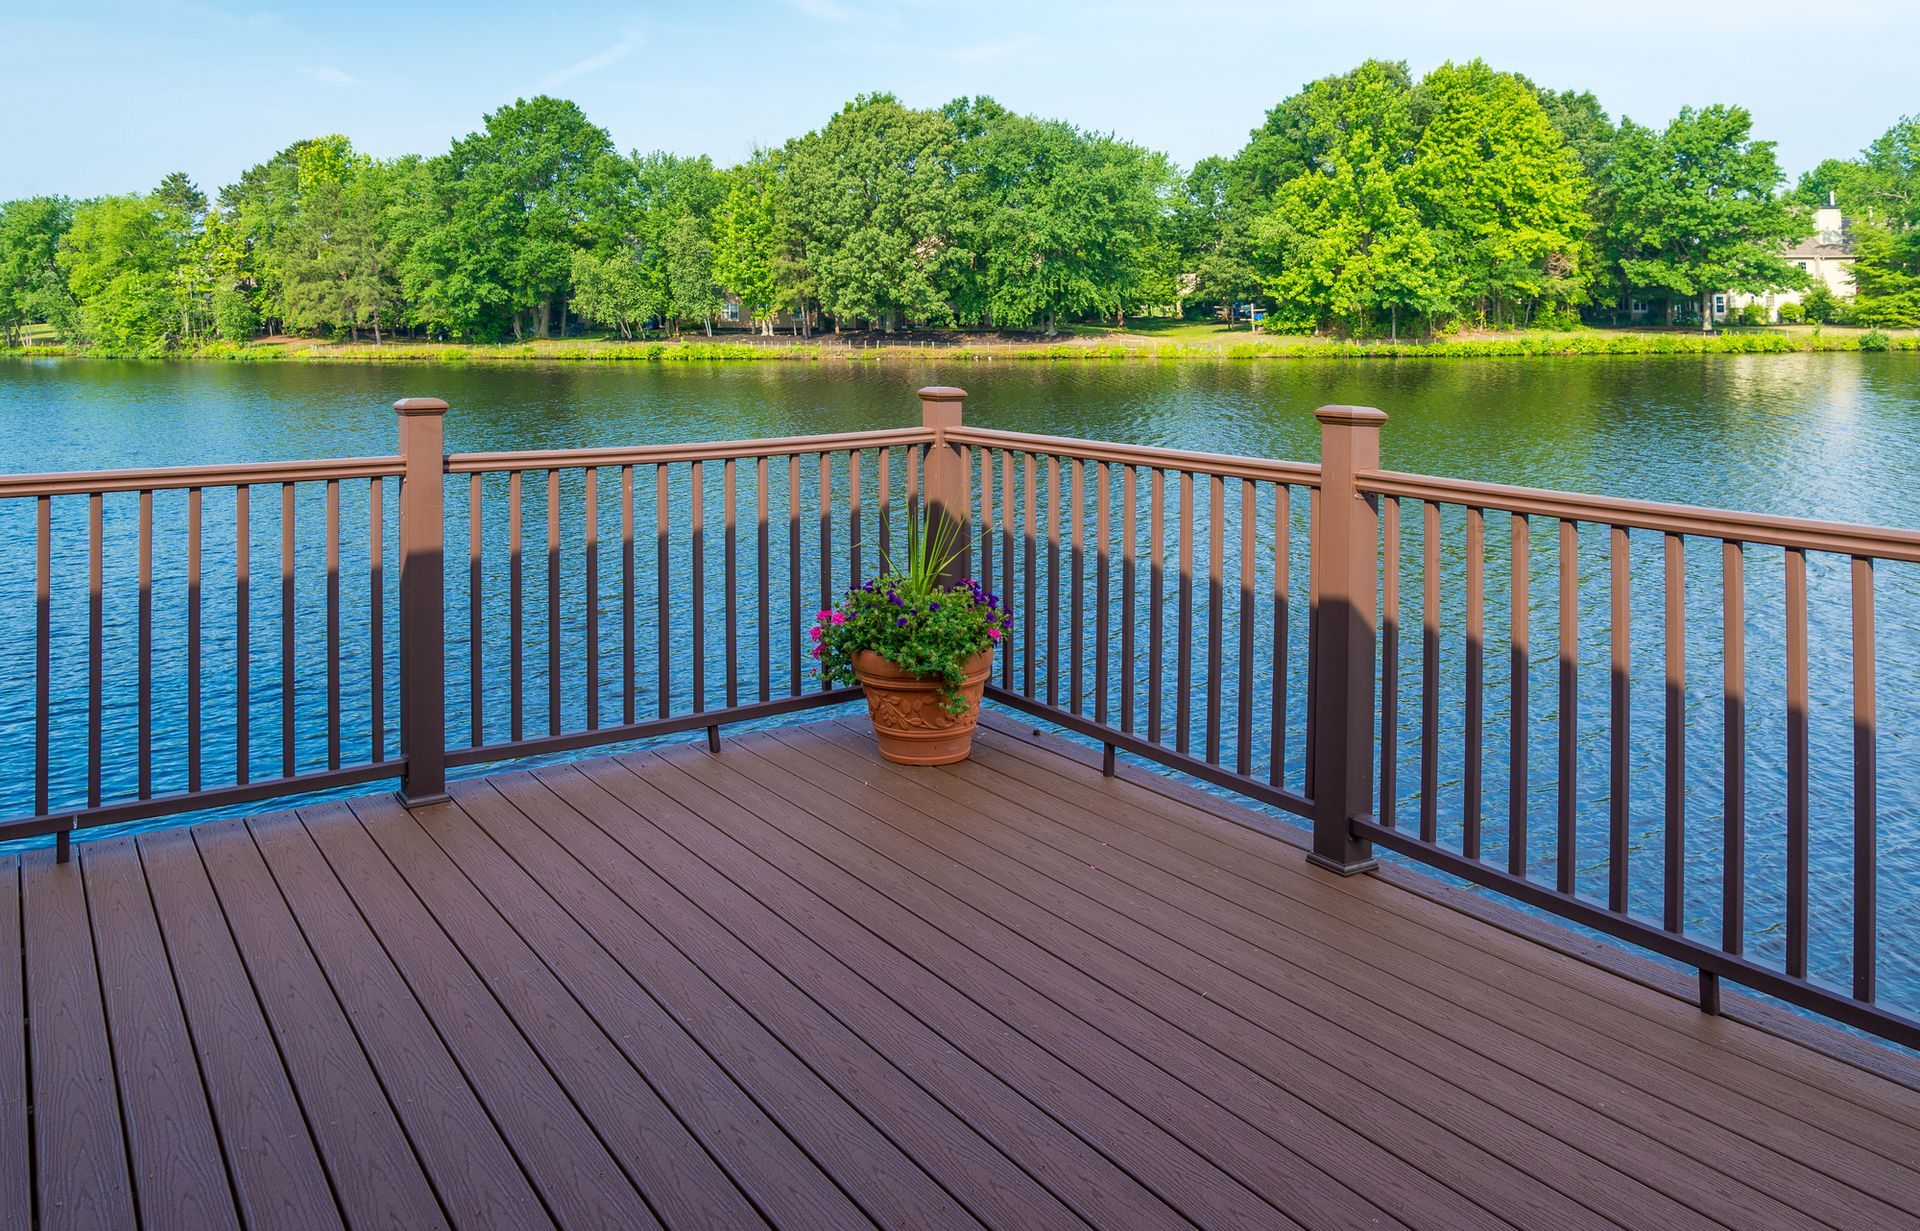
<point>962,348</point>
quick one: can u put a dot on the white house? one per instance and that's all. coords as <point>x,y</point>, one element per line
<point>1826,255</point>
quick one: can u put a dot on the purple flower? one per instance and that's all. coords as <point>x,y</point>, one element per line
<point>902,621</point>
<point>933,606</point>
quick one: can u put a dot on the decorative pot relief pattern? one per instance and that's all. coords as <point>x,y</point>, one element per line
<point>910,711</point>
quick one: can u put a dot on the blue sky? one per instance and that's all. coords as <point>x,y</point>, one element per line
<point>107,96</point>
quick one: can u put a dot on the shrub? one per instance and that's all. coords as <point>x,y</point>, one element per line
<point>1873,339</point>
<point>1820,305</point>
<point>1753,314</point>
<point>1792,314</point>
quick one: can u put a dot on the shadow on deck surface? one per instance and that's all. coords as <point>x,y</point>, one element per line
<point>793,985</point>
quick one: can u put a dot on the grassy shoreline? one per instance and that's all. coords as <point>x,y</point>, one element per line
<point>1085,347</point>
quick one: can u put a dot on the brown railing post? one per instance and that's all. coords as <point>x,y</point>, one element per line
<point>1347,558</point>
<point>944,475</point>
<point>423,634</point>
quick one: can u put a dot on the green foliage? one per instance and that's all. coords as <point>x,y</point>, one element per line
<point>119,258</point>
<point>1820,305</point>
<point>754,241</point>
<point>876,202</point>
<point>1695,209</point>
<point>905,616</point>
<point>1792,314</point>
<point>32,287</point>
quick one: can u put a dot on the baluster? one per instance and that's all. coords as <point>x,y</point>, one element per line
<point>43,657</point>
<point>1674,887</point>
<point>1129,529</point>
<point>1053,581</point>
<point>193,638</point>
<point>1243,710</point>
<point>663,587</point>
<point>376,623</point>
<point>1472,779</point>
<point>1027,608</point>
<point>476,629</point>
<point>1390,661</point>
<point>333,623</point>
<point>1865,784</point>
<point>854,544</point>
<point>986,519</point>
<point>1216,591</point>
<point>288,606</point>
<point>697,539</point>
<point>1313,639</point>
<point>1076,653</point>
<point>1733,859</point>
<point>763,571</point>
<point>1156,598</point>
<point>144,703</point>
<point>1282,627</point>
<point>628,584</point>
<point>1797,779</point>
<point>516,659</point>
<point>826,530</point>
<point>1006,560</point>
<point>794,675</point>
<point>242,620</point>
<point>553,602</point>
<point>1619,802</point>
<point>884,480</point>
<point>590,524</point>
<point>1519,669</point>
<point>732,565</point>
<point>1567,776</point>
<point>1103,532</point>
<point>1183,664</point>
<point>1430,673</point>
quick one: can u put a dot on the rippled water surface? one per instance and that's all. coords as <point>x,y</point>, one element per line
<point>1829,436</point>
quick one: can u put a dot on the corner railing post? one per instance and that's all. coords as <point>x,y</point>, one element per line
<point>1348,557</point>
<point>944,475</point>
<point>423,634</point>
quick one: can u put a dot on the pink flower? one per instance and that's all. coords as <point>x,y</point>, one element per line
<point>818,632</point>
<point>825,615</point>
<point>994,633</point>
<point>819,651</point>
<point>839,617</point>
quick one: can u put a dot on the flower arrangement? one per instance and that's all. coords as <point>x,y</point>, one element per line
<point>908,618</point>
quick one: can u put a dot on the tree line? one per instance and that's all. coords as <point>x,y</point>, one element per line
<point>1367,203</point>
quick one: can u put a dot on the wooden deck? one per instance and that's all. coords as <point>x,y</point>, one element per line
<point>792,985</point>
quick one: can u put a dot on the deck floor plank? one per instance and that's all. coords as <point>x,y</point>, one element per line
<point>369,1155</point>
<point>475,1173</point>
<point>843,1026</point>
<point>579,1180</point>
<point>16,1142</point>
<point>278,1178</point>
<point>793,985</point>
<point>80,1163</point>
<point>1403,954</point>
<point>781,1182</point>
<point>180,1176</point>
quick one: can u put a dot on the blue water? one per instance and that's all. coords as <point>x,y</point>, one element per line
<point>1832,436</point>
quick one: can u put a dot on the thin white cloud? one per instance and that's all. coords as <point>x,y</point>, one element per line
<point>327,74</point>
<point>629,42</point>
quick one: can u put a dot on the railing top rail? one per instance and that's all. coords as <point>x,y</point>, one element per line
<point>1302,474</point>
<point>1844,538</point>
<point>86,482</point>
<point>706,451</point>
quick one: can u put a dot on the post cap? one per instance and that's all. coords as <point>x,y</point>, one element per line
<point>420,406</point>
<point>1351,416</point>
<point>942,393</point>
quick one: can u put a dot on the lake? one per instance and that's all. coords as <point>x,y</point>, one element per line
<point>1829,436</point>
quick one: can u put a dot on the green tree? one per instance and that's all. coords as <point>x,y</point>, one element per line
<point>1880,191</point>
<point>32,287</point>
<point>341,265</point>
<point>692,293</point>
<point>752,240</point>
<point>1209,228</point>
<point>611,288</point>
<point>875,199</point>
<point>514,201</point>
<point>1696,209</point>
<point>119,258</point>
<point>1502,194</point>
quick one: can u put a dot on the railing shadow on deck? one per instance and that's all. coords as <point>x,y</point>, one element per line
<point>1235,619</point>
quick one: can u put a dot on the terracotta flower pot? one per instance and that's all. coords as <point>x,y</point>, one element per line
<point>910,722</point>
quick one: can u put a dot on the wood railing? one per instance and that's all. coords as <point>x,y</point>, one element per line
<point>1236,619</point>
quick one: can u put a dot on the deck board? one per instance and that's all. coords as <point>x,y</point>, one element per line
<point>791,985</point>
